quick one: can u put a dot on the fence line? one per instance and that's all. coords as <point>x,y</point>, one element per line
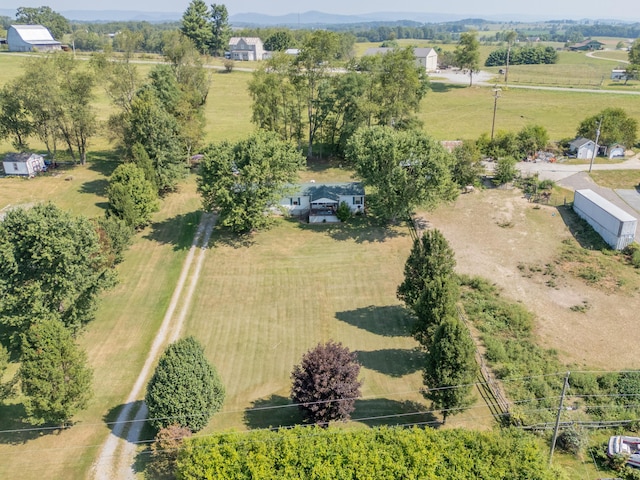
<point>495,397</point>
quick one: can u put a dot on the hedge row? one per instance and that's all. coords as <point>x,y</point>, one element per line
<point>379,453</point>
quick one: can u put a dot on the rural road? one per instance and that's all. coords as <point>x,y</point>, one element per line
<point>109,464</point>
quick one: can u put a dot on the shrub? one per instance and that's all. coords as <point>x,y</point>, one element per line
<point>164,451</point>
<point>185,389</point>
<point>344,212</point>
<point>573,440</point>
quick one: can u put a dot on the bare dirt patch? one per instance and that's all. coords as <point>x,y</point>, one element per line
<point>499,235</point>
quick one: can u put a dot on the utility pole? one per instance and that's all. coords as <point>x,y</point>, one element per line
<point>595,149</point>
<point>555,430</point>
<point>496,96</point>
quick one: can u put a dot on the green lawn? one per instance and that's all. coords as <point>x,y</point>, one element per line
<point>117,341</point>
<point>259,307</point>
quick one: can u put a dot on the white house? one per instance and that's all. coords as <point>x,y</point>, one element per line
<point>582,148</point>
<point>618,74</point>
<point>615,151</point>
<point>321,200</point>
<point>246,48</point>
<point>426,58</point>
<point>27,38</point>
<point>27,164</point>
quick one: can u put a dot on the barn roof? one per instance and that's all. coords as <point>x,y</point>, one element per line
<point>20,157</point>
<point>36,34</point>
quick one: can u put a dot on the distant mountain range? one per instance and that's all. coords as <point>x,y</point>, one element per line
<point>290,20</point>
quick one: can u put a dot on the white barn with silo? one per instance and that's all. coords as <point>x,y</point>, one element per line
<point>616,227</point>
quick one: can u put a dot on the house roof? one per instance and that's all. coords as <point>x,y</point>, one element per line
<point>580,141</point>
<point>330,191</point>
<point>20,157</point>
<point>36,34</point>
<point>423,52</point>
<point>247,40</point>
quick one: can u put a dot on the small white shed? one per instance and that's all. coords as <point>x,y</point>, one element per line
<point>616,227</point>
<point>24,164</point>
<point>582,148</point>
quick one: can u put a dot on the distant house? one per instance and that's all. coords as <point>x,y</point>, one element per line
<point>246,49</point>
<point>618,74</point>
<point>24,164</point>
<point>587,45</point>
<point>426,58</point>
<point>321,201</point>
<point>582,148</point>
<point>27,38</point>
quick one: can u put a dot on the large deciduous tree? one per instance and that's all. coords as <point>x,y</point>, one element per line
<point>14,117</point>
<point>429,288</point>
<point>242,181</point>
<point>185,388</point>
<point>52,265</point>
<point>450,368</point>
<point>616,127</point>
<point>132,197</point>
<point>279,41</point>
<point>468,53</point>
<point>55,22</point>
<point>325,384</point>
<point>54,376</point>
<point>404,168</point>
<point>633,68</point>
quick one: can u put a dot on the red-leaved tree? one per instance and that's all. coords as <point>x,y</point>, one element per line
<point>325,384</point>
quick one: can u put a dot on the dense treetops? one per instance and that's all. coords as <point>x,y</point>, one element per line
<point>379,453</point>
<point>52,265</point>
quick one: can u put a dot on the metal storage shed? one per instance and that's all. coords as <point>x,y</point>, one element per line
<point>26,38</point>
<point>616,227</point>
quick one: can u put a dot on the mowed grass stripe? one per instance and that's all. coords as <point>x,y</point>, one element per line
<point>259,308</point>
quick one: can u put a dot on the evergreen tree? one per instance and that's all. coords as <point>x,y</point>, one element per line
<point>220,29</point>
<point>185,388</point>
<point>450,368</point>
<point>132,197</point>
<point>195,25</point>
<point>55,378</point>
<point>429,288</point>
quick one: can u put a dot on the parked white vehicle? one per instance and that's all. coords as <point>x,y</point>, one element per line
<point>627,446</point>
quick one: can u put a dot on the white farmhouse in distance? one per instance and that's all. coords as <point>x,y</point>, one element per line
<point>246,48</point>
<point>29,38</point>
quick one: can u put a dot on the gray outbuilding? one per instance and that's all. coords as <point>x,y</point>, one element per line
<point>616,227</point>
<point>29,38</point>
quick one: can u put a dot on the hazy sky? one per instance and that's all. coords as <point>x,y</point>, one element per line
<point>574,9</point>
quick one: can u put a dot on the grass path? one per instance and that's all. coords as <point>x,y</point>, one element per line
<point>109,462</point>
